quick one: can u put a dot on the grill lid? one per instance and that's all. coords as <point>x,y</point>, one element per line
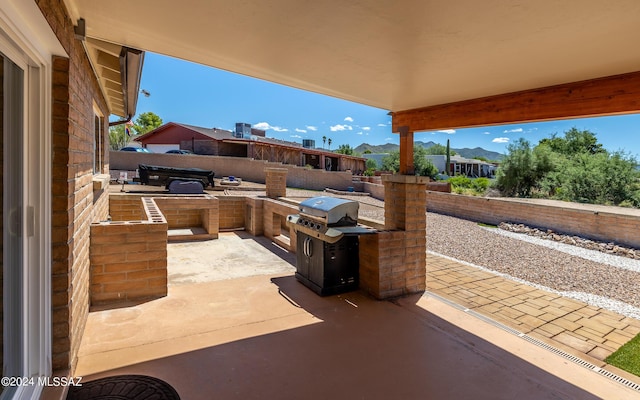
<point>332,209</point>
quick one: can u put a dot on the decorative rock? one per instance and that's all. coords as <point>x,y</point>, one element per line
<point>608,247</point>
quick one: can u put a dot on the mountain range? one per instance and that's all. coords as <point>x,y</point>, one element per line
<point>464,152</point>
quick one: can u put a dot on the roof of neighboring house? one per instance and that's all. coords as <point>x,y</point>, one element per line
<point>214,133</point>
<point>227,136</point>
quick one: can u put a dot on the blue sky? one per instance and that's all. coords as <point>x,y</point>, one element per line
<point>192,94</point>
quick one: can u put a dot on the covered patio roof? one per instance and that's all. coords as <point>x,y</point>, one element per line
<point>433,64</point>
<point>395,55</point>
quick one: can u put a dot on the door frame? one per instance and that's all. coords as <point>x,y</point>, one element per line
<point>27,40</point>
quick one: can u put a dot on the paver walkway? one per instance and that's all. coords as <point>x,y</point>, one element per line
<point>582,330</point>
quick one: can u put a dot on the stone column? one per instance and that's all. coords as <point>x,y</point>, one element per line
<point>393,262</point>
<point>276,182</point>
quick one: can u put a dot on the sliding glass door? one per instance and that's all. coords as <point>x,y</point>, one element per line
<point>26,272</point>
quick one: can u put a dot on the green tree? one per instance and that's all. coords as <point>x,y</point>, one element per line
<point>324,140</point>
<point>371,164</point>
<point>117,137</point>
<point>522,169</point>
<point>146,122</point>
<point>448,160</point>
<point>345,149</point>
<point>329,143</point>
<point>367,151</point>
<point>574,142</point>
<point>422,165</point>
<point>574,167</point>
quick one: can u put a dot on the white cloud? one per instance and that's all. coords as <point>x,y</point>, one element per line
<point>517,130</point>
<point>349,119</point>
<point>382,125</point>
<point>262,125</point>
<point>359,133</point>
<point>265,126</point>
<point>296,136</point>
<point>312,128</point>
<point>388,139</point>
<point>366,128</point>
<point>486,133</point>
<point>448,131</point>
<point>501,140</point>
<point>301,130</point>
<point>337,128</point>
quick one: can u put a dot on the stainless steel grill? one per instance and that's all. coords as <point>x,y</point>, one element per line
<point>327,249</point>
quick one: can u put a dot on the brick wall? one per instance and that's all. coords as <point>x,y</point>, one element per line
<point>247,169</point>
<point>276,182</point>
<point>615,224</point>
<point>232,212</point>
<point>254,216</point>
<point>74,203</point>
<point>274,218</point>
<point>125,207</point>
<point>128,261</point>
<point>189,212</point>
<point>392,262</point>
<point>179,211</point>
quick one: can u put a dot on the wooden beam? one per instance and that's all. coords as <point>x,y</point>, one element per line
<point>613,95</point>
<point>406,151</point>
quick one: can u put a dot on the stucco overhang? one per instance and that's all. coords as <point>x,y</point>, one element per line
<point>392,54</point>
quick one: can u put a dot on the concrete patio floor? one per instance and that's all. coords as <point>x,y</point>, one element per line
<point>262,335</point>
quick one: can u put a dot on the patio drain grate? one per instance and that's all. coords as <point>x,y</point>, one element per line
<point>539,343</point>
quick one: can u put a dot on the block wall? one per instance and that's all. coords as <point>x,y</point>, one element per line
<point>392,263</point>
<point>274,216</point>
<point>615,224</point>
<point>244,168</point>
<point>125,207</point>
<point>178,211</point>
<point>254,216</point>
<point>276,182</point>
<point>232,212</point>
<point>128,261</point>
<point>75,205</point>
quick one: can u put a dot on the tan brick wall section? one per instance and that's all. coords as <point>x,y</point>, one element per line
<point>254,216</point>
<point>276,182</point>
<point>124,207</point>
<point>232,212</point>
<point>274,218</point>
<point>599,223</point>
<point>392,262</point>
<point>128,261</point>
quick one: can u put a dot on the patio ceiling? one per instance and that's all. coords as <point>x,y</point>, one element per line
<point>392,54</point>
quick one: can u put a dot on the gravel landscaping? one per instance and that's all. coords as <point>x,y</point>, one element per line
<point>604,280</point>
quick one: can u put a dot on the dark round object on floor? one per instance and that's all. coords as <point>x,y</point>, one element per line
<point>124,387</point>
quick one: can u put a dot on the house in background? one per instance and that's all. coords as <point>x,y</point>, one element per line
<point>459,165</point>
<point>463,166</point>
<point>245,142</point>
